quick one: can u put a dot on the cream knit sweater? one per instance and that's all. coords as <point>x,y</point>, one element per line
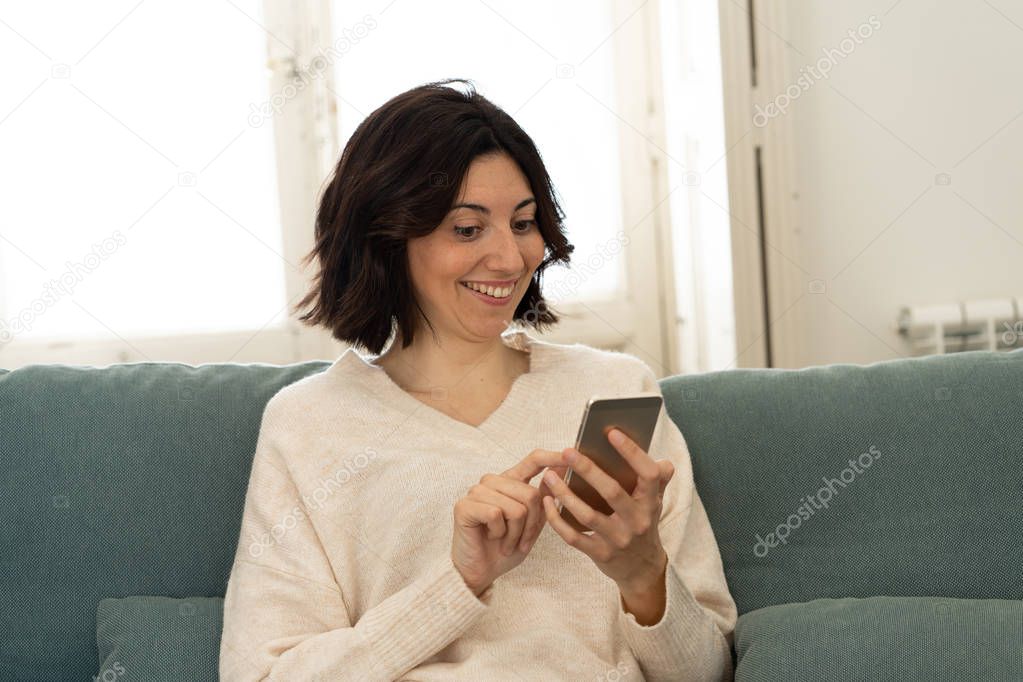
<point>343,569</point>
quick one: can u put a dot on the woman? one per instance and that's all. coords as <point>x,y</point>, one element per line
<point>433,234</point>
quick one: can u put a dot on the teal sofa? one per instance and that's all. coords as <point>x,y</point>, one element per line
<point>870,518</point>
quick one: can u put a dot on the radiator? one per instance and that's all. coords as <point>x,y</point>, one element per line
<point>993,324</point>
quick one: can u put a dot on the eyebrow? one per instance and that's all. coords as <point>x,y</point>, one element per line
<point>486,211</point>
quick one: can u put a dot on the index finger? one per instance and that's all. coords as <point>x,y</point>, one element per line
<point>534,463</point>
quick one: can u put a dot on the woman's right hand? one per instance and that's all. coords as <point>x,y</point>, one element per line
<point>499,519</point>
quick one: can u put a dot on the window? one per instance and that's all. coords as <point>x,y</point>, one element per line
<point>584,95</point>
<point>551,81</point>
<point>167,163</point>
<point>691,62</point>
<point>139,200</point>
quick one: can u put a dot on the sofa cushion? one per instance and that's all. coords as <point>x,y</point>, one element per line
<point>897,478</point>
<point>159,638</point>
<point>882,638</point>
<point>120,480</point>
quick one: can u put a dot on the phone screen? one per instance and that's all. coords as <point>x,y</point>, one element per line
<point>636,417</point>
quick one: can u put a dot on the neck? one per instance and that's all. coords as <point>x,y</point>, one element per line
<point>430,363</point>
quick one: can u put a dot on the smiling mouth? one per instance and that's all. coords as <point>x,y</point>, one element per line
<point>497,293</point>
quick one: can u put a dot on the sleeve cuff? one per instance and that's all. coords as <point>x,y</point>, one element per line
<point>440,610</point>
<point>685,637</point>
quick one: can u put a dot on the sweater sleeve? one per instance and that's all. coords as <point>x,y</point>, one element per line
<point>285,617</point>
<point>693,639</point>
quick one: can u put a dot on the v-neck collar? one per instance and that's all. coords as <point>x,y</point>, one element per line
<point>510,417</point>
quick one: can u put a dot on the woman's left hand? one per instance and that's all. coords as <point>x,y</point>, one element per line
<point>625,546</point>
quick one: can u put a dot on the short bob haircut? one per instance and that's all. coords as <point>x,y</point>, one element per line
<point>397,179</point>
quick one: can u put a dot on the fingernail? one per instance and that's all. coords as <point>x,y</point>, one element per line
<point>550,477</point>
<point>616,437</point>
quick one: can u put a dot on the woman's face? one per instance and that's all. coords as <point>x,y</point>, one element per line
<point>492,241</point>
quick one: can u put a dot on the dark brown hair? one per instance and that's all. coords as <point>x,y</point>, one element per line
<point>397,179</point>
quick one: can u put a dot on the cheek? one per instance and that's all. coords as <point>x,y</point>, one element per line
<point>536,250</point>
<point>436,263</point>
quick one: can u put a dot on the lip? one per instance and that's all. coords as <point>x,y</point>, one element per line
<point>490,300</point>
<point>492,282</point>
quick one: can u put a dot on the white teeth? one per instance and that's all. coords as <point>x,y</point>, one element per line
<point>499,292</point>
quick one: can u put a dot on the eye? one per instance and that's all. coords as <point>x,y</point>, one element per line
<point>521,226</point>
<point>466,227</point>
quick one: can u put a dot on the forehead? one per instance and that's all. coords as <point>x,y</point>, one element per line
<point>494,176</point>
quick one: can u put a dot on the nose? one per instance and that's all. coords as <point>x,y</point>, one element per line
<point>504,254</point>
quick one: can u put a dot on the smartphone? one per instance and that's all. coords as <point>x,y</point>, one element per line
<point>636,417</point>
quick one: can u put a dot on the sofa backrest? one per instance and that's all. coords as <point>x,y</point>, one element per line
<point>131,480</point>
<point>900,478</point>
<point>118,481</point>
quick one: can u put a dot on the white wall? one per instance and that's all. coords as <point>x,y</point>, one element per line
<point>935,89</point>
